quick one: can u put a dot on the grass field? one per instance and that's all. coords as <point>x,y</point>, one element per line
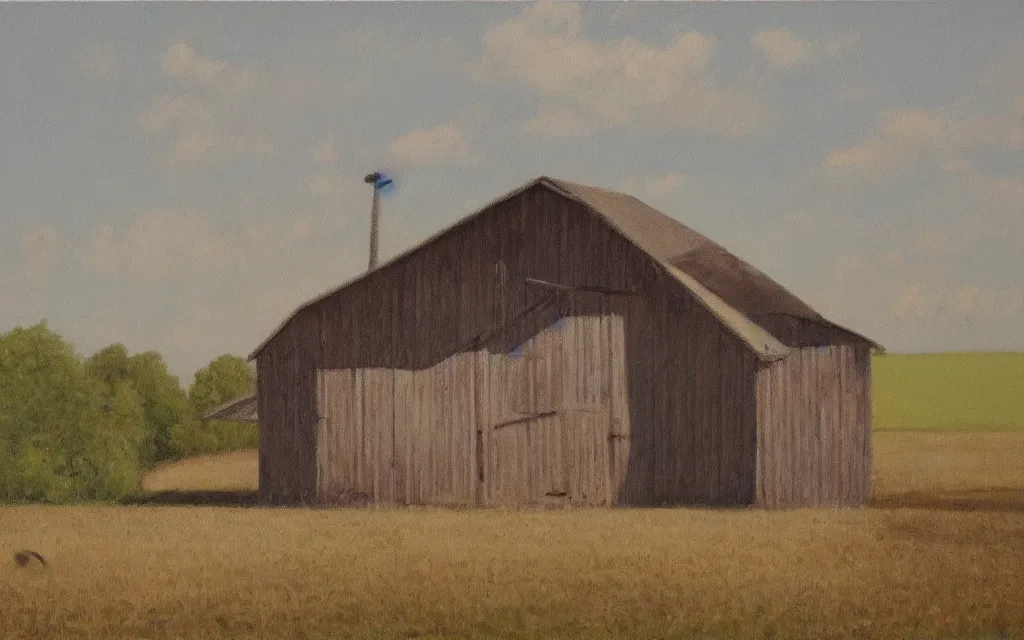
<point>950,391</point>
<point>941,554</point>
<point>938,554</point>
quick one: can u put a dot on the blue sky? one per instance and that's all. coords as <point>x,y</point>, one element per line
<point>180,177</point>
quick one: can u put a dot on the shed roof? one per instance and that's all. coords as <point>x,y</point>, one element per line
<point>732,290</point>
<point>239,410</point>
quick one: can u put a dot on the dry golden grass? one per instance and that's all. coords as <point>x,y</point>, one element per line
<point>227,572</point>
<point>234,471</point>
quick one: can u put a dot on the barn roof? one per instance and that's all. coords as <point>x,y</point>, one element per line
<point>732,290</point>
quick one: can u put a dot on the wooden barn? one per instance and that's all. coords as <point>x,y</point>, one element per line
<point>564,345</point>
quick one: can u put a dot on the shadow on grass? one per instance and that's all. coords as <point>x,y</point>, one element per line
<point>992,500</point>
<point>195,499</point>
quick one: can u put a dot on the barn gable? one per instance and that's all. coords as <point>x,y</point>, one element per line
<point>734,292</point>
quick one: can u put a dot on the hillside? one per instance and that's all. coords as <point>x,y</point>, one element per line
<point>949,391</point>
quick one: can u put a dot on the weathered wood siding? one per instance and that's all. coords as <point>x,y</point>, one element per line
<point>532,427</point>
<point>471,283</point>
<point>692,406</point>
<point>287,415</point>
<point>814,428</point>
<point>685,428</point>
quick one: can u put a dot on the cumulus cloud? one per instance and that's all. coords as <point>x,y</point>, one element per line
<point>441,144</point>
<point>782,49</point>
<point>181,61</point>
<point>588,84</point>
<point>985,126</point>
<point>210,116</point>
<point>902,137</point>
<point>940,138</point>
<point>160,243</point>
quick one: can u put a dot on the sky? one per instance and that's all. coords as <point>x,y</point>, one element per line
<point>181,177</point>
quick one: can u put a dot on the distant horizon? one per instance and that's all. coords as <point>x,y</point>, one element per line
<point>180,177</point>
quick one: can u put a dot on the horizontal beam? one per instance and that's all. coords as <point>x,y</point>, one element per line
<point>568,288</point>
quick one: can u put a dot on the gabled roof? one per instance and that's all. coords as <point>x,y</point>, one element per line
<point>731,290</point>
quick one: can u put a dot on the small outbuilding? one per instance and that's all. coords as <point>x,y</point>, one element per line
<point>564,345</point>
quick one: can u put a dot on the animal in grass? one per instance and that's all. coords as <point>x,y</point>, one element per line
<point>22,558</point>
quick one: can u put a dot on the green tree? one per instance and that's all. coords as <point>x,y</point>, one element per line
<point>164,403</point>
<point>62,437</point>
<point>226,378</point>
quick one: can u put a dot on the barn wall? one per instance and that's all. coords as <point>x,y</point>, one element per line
<point>685,430</point>
<point>692,406</point>
<point>814,428</point>
<point>287,417</point>
<point>526,428</point>
<point>472,282</point>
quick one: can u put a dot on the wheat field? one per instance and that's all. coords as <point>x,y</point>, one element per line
<point>940,555</point>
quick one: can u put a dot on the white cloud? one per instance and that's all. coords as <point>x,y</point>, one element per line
<point>182,62</point>
<point>782,49</point>
<point>214,114</point>
<point>444,143</point>
<point>988,120</point>
<point>160,243</point>
<point>589,84</point>
<point>171,111</point>
<point>940,138</point>
<point>902,137</point>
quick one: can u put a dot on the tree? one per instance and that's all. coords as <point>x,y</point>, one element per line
<point>62,436</point>
<point>164,403</point>
<point>226,378</point>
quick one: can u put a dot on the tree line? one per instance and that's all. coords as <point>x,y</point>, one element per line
<point>78,428</point>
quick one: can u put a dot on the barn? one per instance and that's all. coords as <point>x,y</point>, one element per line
<point>565,345</point>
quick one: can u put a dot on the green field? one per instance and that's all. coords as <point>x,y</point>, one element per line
<point>949,392</point>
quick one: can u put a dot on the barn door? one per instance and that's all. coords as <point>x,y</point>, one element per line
<point>530,465</point>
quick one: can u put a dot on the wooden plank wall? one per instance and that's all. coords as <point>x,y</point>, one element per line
<point>287,415</point>
<point>814,428</point>
<point>434,302</point>
<point>531,427</point>
<point>704,414</point>
<point>691,406</point>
